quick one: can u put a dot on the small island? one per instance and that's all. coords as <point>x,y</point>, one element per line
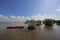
<point>46,22</point>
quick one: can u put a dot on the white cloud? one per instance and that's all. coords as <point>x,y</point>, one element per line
<point>11,18</point>
<point>38,17</point>
<point>22,18</point>
<point>58,9</point>
<point>42,17</point>
<point>17,18</point>
<point>3,17</point>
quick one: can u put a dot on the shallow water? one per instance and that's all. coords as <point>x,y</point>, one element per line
<point>44,33</point>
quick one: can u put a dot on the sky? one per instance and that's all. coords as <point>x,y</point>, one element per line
<point>20,10</point>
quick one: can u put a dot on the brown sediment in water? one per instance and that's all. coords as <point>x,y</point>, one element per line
<point>37,34</point>
<point>15,35</point>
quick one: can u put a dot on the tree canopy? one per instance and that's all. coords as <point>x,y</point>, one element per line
<point>48,22</point>
<point>33,22</point>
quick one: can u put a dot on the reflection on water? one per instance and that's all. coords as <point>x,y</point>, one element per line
<point>43,33</point>
<point>48,28</point>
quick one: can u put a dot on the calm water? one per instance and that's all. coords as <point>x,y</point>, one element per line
<point>44,33</point>
<point>3,25</point>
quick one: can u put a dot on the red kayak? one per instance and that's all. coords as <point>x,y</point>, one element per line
<point>11,27</point>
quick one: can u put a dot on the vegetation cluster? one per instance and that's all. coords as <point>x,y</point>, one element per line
<point>46,22</point>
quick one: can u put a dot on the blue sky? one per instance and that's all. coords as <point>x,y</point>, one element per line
<point>29,7</point>
<point>18,7</point>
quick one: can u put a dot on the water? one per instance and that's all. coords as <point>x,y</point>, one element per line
<point>44,33</point>
<point>3,25</point>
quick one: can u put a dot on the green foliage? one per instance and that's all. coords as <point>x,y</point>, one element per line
<point>33,22</point>
<point>27,21</point>
<point>48,22</point>
<point>57,21</point>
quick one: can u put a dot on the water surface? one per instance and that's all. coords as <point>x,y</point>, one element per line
<point>43,33</point>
